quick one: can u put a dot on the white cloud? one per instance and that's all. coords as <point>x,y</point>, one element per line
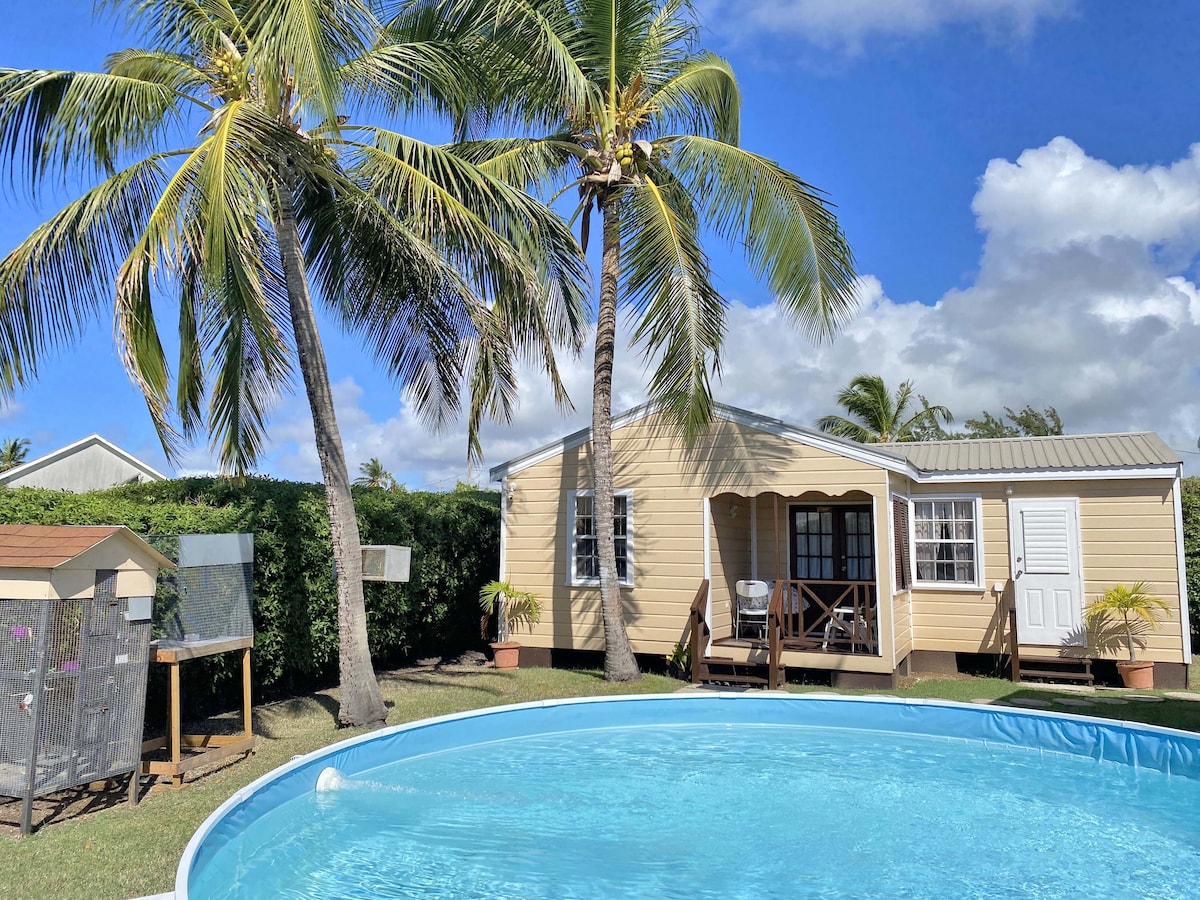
<point>847,23</point>
<point>1057,195</point>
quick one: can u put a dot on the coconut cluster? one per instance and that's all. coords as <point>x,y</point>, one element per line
<point>223,67</point>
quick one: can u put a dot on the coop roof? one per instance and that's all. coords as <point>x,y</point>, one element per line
<point>49,546</point>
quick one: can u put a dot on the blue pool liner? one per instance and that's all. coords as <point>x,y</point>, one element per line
<point>1163,750</point>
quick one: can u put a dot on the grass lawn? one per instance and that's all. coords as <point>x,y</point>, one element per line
<point>118,852</point>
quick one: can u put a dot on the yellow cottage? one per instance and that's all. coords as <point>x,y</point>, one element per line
<point>773,544</point>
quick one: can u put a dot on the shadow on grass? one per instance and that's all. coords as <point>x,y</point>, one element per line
<point>1167,712</point>
<point>65,805</point>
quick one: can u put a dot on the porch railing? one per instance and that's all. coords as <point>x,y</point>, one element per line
<point>825,616</point>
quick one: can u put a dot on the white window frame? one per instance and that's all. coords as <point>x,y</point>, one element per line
<point>917,583</point>
<point>572,580</point>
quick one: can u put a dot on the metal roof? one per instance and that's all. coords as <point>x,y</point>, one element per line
<point>1068,451</point>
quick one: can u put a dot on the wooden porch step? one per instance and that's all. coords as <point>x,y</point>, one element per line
<point>733,676</point>
<point>1060,668</point>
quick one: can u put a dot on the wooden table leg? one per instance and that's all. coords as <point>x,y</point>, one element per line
<point>173,739</point>
<point>247,713</point>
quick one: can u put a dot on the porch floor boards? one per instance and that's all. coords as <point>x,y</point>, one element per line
<point>800,644</point>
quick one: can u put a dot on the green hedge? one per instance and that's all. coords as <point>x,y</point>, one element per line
<point>455,540</point>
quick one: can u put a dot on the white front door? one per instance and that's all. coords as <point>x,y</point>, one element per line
<point>1047,582</point>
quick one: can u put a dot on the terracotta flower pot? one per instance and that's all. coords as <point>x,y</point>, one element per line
<point>507,655</point>
<point>1138,675</point>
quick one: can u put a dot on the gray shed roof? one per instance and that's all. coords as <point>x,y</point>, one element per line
<point>1069,451</point>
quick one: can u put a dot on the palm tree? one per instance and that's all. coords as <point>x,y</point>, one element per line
<point>13,452</point>
<point>878,417</point>
<point>373,474</point>
<point>629,112</point>
<point>229,174</point>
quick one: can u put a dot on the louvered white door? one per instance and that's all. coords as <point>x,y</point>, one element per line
<point>1046,576</point>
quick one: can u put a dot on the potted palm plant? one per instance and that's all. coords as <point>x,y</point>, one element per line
<point>514,609</point>
<point>1123,615</point>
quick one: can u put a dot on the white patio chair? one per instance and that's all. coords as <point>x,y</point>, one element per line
<point>855,628</point>
<point>750,605</point>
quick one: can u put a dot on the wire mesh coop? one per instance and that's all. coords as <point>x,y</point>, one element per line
<point>203,607</point>
<point>73,661</point>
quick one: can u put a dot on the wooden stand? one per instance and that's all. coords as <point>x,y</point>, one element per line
<point>212,747</point>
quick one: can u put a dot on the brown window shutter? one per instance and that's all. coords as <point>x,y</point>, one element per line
<point>901,542</point>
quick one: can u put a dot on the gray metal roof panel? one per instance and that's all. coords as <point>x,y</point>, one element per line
<point>1070,451</point>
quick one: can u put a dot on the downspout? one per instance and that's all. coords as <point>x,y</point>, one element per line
<point>706,515</point>
<point>505,499</point>
<point>1181,568</point>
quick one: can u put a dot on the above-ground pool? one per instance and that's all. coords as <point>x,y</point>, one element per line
<point>720,795</point>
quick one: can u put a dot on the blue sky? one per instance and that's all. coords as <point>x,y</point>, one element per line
<point>1015,176</point>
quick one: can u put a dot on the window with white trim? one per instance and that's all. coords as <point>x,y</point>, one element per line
<point>584,561</point>
<point>945,535</point>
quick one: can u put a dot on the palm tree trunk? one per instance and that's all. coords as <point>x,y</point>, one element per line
<point>360,700</point>
<point>619,663</point>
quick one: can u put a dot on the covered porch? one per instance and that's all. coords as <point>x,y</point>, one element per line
<point>793,580</point>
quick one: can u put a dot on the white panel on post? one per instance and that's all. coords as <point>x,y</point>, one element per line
<point>197,550</point>
<point>386,562</point>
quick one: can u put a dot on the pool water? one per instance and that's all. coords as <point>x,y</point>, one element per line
<point>728,811</point>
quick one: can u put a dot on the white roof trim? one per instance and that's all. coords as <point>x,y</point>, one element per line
<point>1163,471</point>
<point>891,462</point>
<point>63,452</point>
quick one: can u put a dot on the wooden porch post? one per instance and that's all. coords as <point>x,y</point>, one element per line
<point>778,549</point>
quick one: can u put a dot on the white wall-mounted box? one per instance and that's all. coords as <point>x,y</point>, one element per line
<point>385,562</point>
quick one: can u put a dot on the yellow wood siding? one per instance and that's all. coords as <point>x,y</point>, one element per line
<point>669,484</point>
<point>1127,534</point>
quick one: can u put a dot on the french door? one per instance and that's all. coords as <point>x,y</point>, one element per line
<point>832,543</point>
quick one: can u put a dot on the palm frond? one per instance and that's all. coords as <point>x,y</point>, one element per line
<point>492,386</point>
<point>301,46</point>
<point>176,71</point>
<point>701,98</point>
<point>523,50</point>
<point>188,26</point>
<point>667,280</point>
<point>529,164</point>
<point>610,38</point>
<point>391,286</point>
<point>842,427</point>
<point>411,76</point>
<point>58,122</point>
<point>61,276</point>
<point>506,244</point>
<point>668,43</point>
<point>791,237</point>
